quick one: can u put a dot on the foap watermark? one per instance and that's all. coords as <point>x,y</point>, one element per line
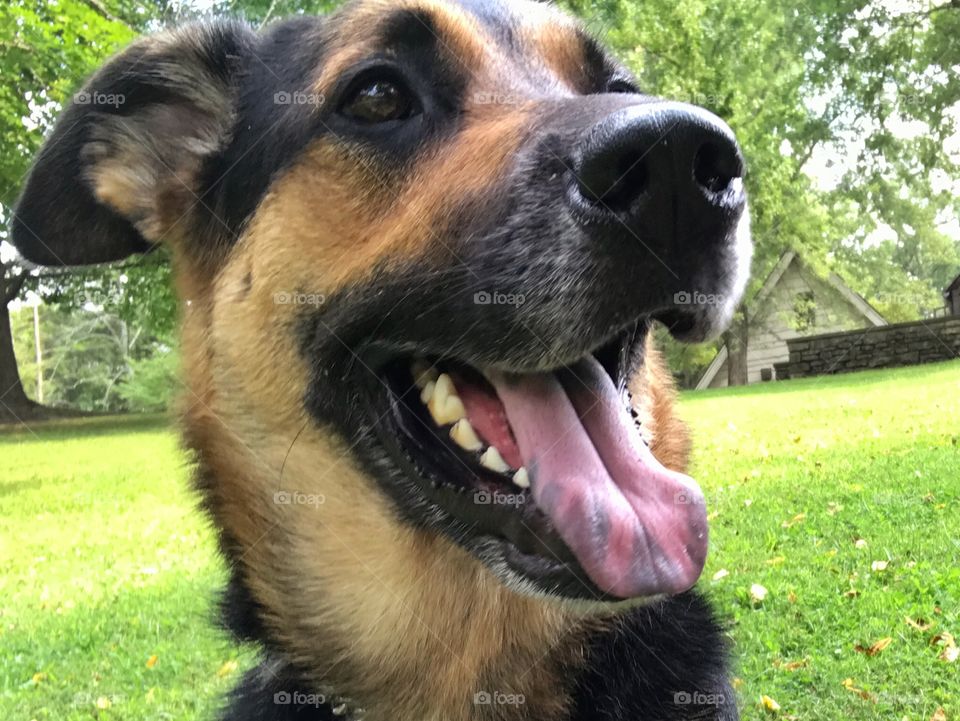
<point>695,297</point>
<point>484,297</point>
<point>101,700</point>
<point>298,698</point>
<point>298,97</point>
<point>296,498</point>
<point>910,299</point>
<point>93,97</point>
<point>494,98</point>
<point>682,498</point>
<point>314,299</point>
<point>498,698</point>
<point>498,498</point>
<point>698,698</point>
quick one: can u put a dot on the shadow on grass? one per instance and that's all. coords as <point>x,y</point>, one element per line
<point>60,428</point>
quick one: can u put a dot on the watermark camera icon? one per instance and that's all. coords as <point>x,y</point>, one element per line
<point>482,698</point>
<point>485,297</point>
<point>682,298</point>
<point>282,698</point>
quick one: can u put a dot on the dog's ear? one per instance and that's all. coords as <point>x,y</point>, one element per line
<point>122,167</point>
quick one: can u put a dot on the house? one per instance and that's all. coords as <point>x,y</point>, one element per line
<point>794,301</point>
<point>952,297</point>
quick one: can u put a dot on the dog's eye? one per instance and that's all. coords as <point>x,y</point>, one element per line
<point>378,101</point>
<point>619,85</point>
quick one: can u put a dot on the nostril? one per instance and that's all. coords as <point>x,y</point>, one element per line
<point>714,167</point>
<point>634,176</point>
<point>615,181</point>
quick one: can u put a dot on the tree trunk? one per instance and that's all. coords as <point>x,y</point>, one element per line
<point>14,404</point>
<point>736,339</point>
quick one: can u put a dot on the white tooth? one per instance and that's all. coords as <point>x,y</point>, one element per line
<point>453,411</point>
<point>464,436</point>
<point>445,405</point>
<point>423,373</point>
<point>521,478</point>
<point>492,459</point>
<point>427,392</point>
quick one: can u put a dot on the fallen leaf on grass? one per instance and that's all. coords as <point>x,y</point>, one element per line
<point>950,654</point>
<point>152,661</point>
<point>852,593</point>
<point>757,593</point>
<point>768,704</point>
<point>103,703</point>
<point>879,566</point>
<point>939,715</point>
<point>791,665</point>
<point>38,677</point>
<point>875,648</point>
<point>792,597</point>
<point>848,684</point>
<point>228,668</point>
<point>793,521</point>
<point>722,573</point>
<point>918,624</point>
<point>860,543</point>
<point>944,639</point>
<point>776,560</point>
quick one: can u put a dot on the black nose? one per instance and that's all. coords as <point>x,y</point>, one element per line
<point>660,157</point>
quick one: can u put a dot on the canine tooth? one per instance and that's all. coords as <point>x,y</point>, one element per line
<point>464,436</point>
<point>521,478</point>
<point>492,459</point>
<point>427,392</point>
<point>445,405</point>
<point>423,373</point>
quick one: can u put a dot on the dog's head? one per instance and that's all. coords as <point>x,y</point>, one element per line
<point>420,245</point>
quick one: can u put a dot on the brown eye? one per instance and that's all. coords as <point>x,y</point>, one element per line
<point>378,102</point>
<point>621,86</point>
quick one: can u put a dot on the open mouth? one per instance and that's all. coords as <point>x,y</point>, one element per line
<point>551,469</point>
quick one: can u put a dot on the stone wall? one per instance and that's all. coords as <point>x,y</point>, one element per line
<point>888,346</point>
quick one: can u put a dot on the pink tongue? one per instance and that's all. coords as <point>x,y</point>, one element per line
<point>636,527</point>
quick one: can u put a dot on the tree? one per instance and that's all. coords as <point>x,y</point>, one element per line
<point>13,400</point>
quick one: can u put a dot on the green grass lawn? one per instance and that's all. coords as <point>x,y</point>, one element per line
<point>839,496</point>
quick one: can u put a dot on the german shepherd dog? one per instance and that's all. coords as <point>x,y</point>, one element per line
<point>420,246</point>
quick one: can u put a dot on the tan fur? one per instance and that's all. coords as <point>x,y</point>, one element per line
<point>459,36</point>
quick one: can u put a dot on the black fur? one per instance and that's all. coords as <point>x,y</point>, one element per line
<point>666,662</point>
